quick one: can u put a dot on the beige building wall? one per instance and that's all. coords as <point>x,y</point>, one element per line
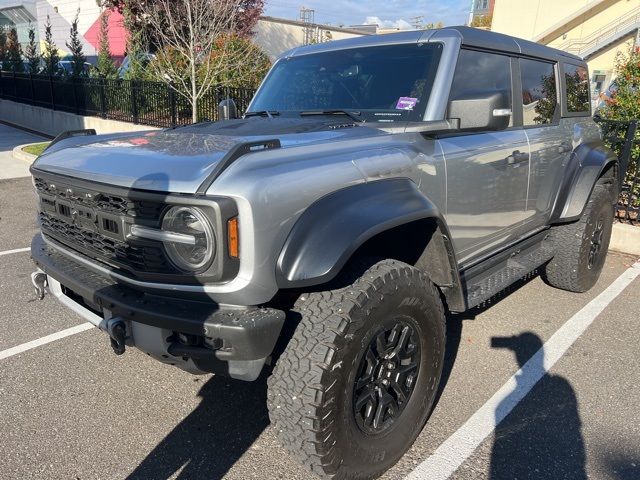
<point>276,35</point>
<point>571,25</point>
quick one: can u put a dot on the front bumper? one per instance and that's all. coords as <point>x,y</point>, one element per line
<point>229,340</point>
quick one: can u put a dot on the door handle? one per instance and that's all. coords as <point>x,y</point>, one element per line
<point>517,157</point>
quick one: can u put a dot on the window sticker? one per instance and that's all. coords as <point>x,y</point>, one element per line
<point>406,103</point>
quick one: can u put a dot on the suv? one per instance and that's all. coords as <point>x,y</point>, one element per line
<point>374,184</point>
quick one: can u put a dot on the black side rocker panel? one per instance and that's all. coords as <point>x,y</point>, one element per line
<point>333,228</point>
<point>586,164</point>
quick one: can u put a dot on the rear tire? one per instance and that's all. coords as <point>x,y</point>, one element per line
<point>581,247</point>
<point>376,345</point>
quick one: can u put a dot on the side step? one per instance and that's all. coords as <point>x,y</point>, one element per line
<point>486,279</point>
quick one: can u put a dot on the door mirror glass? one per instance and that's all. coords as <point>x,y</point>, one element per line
<point>481,111</point>
<point>227,110</point>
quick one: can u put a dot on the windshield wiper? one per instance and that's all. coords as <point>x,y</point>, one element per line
<point>262,113</point>
<point>352,115</point>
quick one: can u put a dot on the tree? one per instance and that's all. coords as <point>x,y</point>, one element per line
<point>625,103</point>
<point>31,53</point>
<point>3,46</point>
<point>78,59</point>
<point>244,18</point>
<point>105,65</point>
<point>50,55</point>
<point>192,56</point>
<point>13,56</point>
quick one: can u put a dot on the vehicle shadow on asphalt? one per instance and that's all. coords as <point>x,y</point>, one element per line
<point>207,443</point>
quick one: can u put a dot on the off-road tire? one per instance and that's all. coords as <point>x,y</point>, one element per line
<point>311,390</point>
<point>570,268</point>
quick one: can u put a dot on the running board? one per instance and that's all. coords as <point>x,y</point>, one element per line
<point>483,281</point>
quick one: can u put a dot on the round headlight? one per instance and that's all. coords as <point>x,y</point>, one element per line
<point>194,246</point>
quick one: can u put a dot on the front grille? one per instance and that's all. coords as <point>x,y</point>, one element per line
<point>113,204</point>
<point>145,258</point>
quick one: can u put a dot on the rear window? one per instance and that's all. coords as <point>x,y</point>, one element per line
<point>577,84</point>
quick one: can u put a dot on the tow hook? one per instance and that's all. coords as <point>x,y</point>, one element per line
<point>40,283</point>
<point>118,332</point>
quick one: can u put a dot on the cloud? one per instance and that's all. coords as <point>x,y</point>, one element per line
<point>400,23</point>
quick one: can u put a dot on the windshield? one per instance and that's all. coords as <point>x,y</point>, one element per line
<point>382,83</point>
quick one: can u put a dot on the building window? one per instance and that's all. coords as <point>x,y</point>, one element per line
<point>539,96</point>
<point>577,83</point>
<point>482,5</point>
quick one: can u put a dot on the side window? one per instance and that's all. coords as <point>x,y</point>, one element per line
<point>539,96</point>
<point>577,83</point>
<point>480,72</point>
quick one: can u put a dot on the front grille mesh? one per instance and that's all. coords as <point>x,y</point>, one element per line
<point>113,204</point>
<point>142,258</point>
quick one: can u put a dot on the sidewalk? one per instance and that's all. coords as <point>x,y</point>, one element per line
<point>9,138</point>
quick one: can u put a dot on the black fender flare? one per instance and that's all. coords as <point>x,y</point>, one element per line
<point>587,163</point>
<point>330,231</point>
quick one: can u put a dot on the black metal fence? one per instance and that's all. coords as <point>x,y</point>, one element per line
<point>623,137</point>
<point>143,102</point>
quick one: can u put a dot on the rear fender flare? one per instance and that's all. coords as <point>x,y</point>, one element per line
<point>588,162</point>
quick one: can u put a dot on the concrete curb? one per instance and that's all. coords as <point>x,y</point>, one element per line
<point>625,238</point>
<point>18,154</point>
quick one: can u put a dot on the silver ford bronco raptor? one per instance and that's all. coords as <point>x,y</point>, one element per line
<point>373,184</point>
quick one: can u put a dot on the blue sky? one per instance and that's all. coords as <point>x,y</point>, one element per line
<point>389,12</point>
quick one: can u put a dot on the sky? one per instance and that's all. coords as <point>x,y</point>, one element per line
<point>387,13</point>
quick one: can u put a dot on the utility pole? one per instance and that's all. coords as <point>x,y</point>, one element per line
<point>417,21</point>
<point>307,17</point>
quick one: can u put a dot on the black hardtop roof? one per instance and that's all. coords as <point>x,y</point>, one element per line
<point>472,37</point>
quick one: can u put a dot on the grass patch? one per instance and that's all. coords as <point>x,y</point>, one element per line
<point>36,148</point>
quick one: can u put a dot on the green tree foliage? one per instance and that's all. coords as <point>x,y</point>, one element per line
<point>625,103</point>
<point>74,45</point>
<point>13,56</point>
<point>482,21</point>
<point>31,53</point>
<point>105,65</point>
<point>51,56</point>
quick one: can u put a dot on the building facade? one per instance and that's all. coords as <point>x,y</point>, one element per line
<point>596,30</point>
<point>61,13</point>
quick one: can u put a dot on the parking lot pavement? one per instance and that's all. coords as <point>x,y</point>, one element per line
<point>72,409</point>
<point>12,137</point>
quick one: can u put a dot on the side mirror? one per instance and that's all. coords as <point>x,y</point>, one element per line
<point>481,111</point>
<point>227,110</point>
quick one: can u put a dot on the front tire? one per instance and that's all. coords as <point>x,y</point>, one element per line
<point>581,247</point>
<point>357,381</point>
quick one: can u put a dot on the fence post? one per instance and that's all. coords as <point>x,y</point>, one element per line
<point>134,101</point>
<point>51,91</point>
<point>172,106</point>
<point>103,101</point>
<point>75,94</point>
<point>33,92</point>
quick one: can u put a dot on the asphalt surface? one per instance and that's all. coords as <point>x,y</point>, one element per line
<point>9,138</point>
<point>72,409</point>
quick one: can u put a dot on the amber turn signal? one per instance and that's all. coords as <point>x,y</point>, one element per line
<point>233,239</point>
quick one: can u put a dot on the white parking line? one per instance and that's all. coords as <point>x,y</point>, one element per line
<point>449,456</point>
<point>15,250</point>
<point>10,352</point>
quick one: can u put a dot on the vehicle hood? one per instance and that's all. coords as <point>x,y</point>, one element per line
<point>179,160</point>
